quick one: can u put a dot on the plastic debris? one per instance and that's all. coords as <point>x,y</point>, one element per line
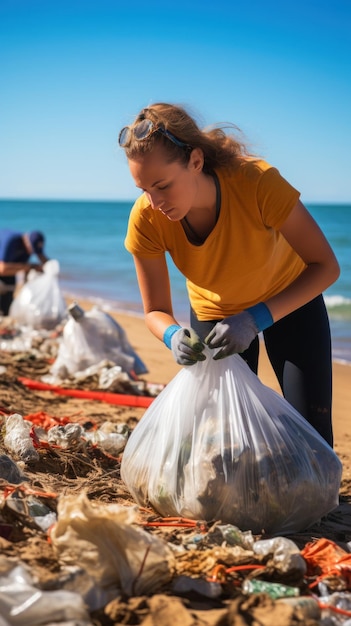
<point>306,605</point>
<point>286,557</point>
<point>103,540</point>
<point>10,471</point>
<point>273,590</point>
<point>186,584</point>
<point>111,438</point>
<point>26,506</point>
<point>17,438</point>
<point>68,436</point>
<point>233,536</point>
<point>23,603</point>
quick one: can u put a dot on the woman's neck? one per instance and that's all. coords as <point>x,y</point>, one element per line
<point>201,220</point>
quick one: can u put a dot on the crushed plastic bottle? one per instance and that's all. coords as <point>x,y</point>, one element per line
<point>68,436</point>
<point>236,537</point>
<point>17,438</point>
<point>111,438</point>
<point>286,556</point>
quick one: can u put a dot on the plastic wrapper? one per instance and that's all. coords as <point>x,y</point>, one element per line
<point>226,447</point>
<point>102,539</point>
<point>40,303</point>
<point>92,337</point>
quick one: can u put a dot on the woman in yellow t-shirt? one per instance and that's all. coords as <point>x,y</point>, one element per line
<point>253,257</point>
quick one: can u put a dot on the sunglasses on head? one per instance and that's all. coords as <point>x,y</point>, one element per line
<point>143,129</point>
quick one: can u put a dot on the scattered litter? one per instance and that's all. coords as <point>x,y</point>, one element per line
<point>96,558</point>
<point>111,438</point>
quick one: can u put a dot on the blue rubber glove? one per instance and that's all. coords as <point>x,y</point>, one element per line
<point>185,344</point>
<point>234,334</point>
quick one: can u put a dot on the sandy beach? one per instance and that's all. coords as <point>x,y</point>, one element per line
<point>60,472</point>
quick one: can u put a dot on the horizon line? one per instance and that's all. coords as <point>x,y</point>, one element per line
<point>132,200</point>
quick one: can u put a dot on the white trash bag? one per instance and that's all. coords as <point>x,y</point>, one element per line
<point>91,337</point>
<point>40,303</point>
<point>226,447</point>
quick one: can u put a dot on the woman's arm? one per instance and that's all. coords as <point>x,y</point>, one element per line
<point>304,235</point>
<point>11,269</point>
<point>154,284</point>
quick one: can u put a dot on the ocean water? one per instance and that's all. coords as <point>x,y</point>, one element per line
<point>87,239</point>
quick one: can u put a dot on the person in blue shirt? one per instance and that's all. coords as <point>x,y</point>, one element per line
<point>16,250</point>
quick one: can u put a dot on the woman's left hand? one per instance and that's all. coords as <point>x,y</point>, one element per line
<point>234,334</point>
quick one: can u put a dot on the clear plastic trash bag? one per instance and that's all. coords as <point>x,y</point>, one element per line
<point>217,444</point>
<point>40,303</point>
<point>90,338</point>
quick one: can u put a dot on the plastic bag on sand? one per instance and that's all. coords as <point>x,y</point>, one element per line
<point>92,337</point>
<point>101,538</point>
<point>40,303</point>
<point>226,447</point>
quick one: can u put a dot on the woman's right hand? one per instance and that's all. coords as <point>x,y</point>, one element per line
<point>187,347</point>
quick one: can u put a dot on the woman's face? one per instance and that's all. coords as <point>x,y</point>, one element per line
<point>171,187</point>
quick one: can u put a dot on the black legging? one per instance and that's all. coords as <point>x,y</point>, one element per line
<point>5,302</point>
<point>299,349</point>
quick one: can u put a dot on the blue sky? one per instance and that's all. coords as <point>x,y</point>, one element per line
<point>72,73</point>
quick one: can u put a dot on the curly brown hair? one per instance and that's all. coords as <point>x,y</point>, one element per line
<point>220,149</point>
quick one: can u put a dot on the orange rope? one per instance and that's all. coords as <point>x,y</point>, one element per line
<point>182,522</point>
<point>10,489</point>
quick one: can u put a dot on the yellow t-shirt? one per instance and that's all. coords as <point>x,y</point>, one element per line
<point>244,260</point>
